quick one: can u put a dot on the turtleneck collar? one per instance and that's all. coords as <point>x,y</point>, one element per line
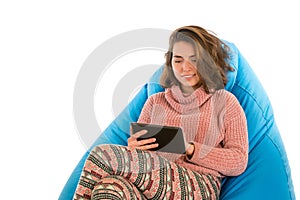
<point>186,104</point>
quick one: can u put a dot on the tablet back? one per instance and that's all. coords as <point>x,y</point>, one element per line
<point>169,138</point>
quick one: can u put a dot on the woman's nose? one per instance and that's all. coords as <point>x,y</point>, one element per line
<point>186,66</point>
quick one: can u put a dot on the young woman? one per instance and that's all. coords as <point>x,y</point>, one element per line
<point>212,120</point>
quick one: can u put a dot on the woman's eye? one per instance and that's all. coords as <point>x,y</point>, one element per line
<point>194,61</point>
<point>177,61</point>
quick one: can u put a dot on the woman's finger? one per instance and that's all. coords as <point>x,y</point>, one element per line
<point>146,141</point>
<point>148,147</point>
<point>139,133</point>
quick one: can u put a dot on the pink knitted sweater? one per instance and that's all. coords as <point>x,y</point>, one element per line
<point>214,123</point>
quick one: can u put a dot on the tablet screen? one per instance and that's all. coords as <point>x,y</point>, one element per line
<point>169,138</point>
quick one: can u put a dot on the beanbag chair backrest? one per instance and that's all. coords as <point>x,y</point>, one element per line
<point>268,173</point>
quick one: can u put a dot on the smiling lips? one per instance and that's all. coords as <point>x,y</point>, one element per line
<point>188,75</point>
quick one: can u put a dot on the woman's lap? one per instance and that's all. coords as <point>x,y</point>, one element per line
<point>145,171</point>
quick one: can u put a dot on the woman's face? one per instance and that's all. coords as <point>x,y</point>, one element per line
<point>184,66</point>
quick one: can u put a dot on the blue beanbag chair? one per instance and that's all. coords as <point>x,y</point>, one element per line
<point>268,173</point>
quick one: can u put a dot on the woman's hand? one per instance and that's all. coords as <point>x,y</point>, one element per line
<point>190,150</point>
<point>146,144</point>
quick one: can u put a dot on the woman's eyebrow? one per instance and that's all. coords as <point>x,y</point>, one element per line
<point>177,56</point>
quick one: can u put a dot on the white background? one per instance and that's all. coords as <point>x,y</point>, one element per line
<point>43,45</point>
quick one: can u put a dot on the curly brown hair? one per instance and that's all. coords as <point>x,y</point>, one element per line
<point>212,58</point>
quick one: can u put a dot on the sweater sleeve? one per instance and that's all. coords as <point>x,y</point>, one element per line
<point>145,116</point>
<point>231,157</point>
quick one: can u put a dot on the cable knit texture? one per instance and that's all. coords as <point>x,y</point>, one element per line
<point>214,123</point>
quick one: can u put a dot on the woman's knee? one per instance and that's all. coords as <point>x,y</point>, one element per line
<point>116,187</point>
<point>102,146</point>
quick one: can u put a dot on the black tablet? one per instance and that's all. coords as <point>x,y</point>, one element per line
<point>169,138</point>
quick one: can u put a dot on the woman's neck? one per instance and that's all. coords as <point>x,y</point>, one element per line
<point>187,90</point>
